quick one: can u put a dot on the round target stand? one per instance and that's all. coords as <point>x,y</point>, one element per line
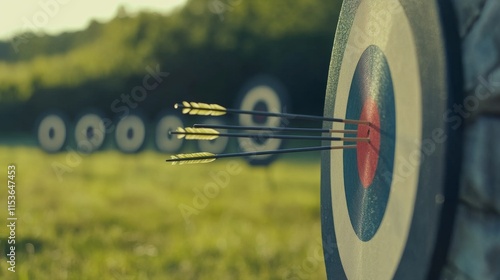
<point>51,132</point>
<point>90,132</point>
<point>216,146</point>
<point>262,93</point>
<point>165,142</point>
<point>387,206</point>
<point>130,134</point>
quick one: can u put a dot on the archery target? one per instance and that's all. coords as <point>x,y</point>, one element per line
<point>267,95</point>
<point>130,134</point>
<point>90,133</point>
<point>215,146</point>
<point>380,206</point>
<point>164,141</point>
<point>51,133</point>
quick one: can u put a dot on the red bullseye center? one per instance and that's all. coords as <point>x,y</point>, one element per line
<point>368,152</point>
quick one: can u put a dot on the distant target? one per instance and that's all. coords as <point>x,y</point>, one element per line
<point>164,141</point>
<point>89,133</point>
<point>52,133</point>
<point>215,146</point>
<point>267,95</point>
<point>130,134</point>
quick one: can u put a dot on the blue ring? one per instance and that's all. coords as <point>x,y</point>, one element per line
<point>367,206</point>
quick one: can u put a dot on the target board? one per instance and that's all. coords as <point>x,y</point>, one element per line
<point>387,206</point>
<point>164,141</point>
<point>130,134</point>
<point>52,132</point>
<point>90,132</point>
<point>262,93</point>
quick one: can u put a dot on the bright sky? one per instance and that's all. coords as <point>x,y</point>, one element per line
<point>55,16</point>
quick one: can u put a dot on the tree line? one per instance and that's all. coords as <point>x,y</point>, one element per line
<point>209,48</point>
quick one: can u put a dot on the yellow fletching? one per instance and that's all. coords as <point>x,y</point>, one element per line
<point>191,133</point>
<point>186,108</point>
<point>180,136</point>
<point>192,158</point>
<point>202,109</point>
<point>201,133</point>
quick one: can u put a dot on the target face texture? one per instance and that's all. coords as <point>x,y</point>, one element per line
<point>164,141</point>
<point>387,205</point>
<point>130,134</point>
<point>216,146</point>
<point>368,176</point>
<point>267,95</point>
<point>51,133</point>
<point>90,133</point>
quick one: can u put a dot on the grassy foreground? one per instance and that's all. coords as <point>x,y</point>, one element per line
<point>115,216</point>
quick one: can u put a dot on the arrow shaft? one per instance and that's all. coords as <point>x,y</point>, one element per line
<point>265,128</point>
<point>260,153</point>
<point>273,114</point>
<point>272,136</point>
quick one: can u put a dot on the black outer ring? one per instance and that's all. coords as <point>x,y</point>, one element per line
<point>279,88</point>
<point>437,42</point>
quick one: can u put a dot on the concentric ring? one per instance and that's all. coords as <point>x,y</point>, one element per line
<point>163,140</point>
<point>90,132</point>
<point>414,230</point>
<point>130,134</point>
<point>52,132</point>
<point>367,191</point>
<point>262,93</point>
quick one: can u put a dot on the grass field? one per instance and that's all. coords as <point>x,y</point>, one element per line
<point>114,216</point>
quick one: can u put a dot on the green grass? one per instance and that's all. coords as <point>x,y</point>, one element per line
<point>116,216</point>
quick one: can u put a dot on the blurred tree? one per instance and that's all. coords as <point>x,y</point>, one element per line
<point>209,50</point>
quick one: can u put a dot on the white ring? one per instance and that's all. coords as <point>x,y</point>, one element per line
<point>52,124</point>
<point>130,143</point>
<point>267,95</point>
<point>89,133</point>
<point>390,30</point>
